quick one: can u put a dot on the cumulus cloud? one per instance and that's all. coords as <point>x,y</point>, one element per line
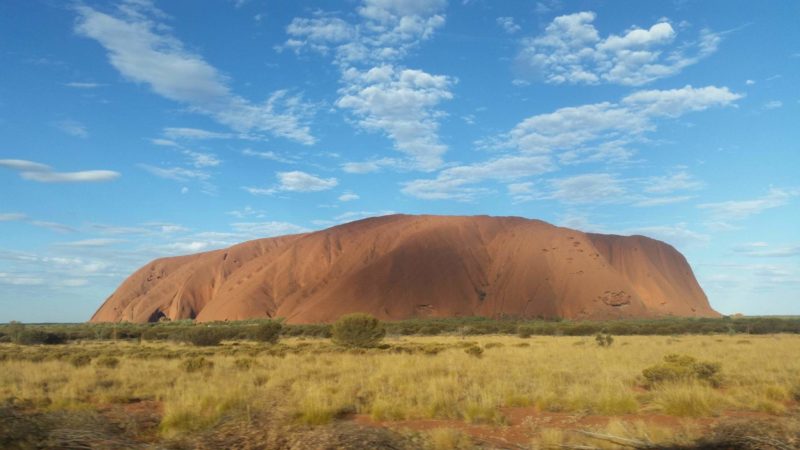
<point>386,31</point>
<point>587,188</point>
<point>454,182</point>
<point>604,128</point>
<point>587,133</point>
<point>508,25</point>
<point>274,156</point>
<point>400,103</point>
<point>370,166</point>
<point>348,197</point>
<point>571,51</point>
<point>295,181</point>
<point>383,97</point>
<point>144,51</point>
<point>30,170</point>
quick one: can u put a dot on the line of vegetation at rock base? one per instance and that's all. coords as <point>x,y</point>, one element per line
<point>465,326</point>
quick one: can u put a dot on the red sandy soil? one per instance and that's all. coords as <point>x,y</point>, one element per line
<point>403,266</point>
<point>525,424</point>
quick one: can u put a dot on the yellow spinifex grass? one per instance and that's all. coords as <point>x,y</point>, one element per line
<point>318,382</point>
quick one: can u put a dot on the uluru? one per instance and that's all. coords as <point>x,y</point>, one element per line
<point>412,266</point>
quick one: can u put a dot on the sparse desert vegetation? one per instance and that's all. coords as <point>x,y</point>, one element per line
<point>444,391</point>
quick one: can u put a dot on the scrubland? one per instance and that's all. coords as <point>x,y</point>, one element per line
<point>438,392</point>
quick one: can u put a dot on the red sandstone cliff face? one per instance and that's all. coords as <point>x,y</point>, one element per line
<point>400,267</point>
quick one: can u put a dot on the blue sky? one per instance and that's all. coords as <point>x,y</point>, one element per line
<point>137,129</point>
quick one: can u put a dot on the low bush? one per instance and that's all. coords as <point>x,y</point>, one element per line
<point>109,362</point>
<point>358,330</point>
<point>474,350</point>
<point>202,336</point>
<point>604,340</point>
<point>196,364</point>
<point>37,336</point>
<point>525,331</point>
<point>80,360</point>
<point>677,368</point>
<point>268,332</point>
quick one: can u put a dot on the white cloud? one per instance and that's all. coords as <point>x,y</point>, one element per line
<point>33,171</point>
<point>194,133</point>
<point>370,166</point>
<point>297,181</point>
<point>508,25</point>
<point>12,217</point>
<point>572,51</point>
<point>659,201</point>
<point>401,103</point>
<point>188,247</point>
<point>176,173</point>
<point>71,177</point>
<point>773,104</point>
<point>681,180</point>
<point>247,211</point>
<point>143,50</point>
<point>588,188</point>
<point>601,130</point>
<point>348,197</point>
<point>749,82</point>
<point>72,128</point>
<point>267,229</point>
<point>83,85</point>
<point>742,209</point>
<point>678,235</point>
<point>20,280</point>
<point>269,155</point>
<point>55,226</point>
<point>454,182</point>
<point>386,31</point>
<point>24,166</point>
<point>94,242</point>
<point>764,250</point>
<point>200,159</point>
<point>350,216</point>
<point>383,97</point>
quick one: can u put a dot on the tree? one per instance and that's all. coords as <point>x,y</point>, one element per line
<point>358,330</point>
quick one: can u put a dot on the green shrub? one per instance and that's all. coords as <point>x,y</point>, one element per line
<point>604,340</point>
<point>202,336</point>
<point>677,368</point>
<point>474,350</point>
<point>109,362</point>
<point>525,331</point>
<point>36,336</point>
<point>268,332</point>
<point>80,360</point>
<point>196,364</point>
<point>358,330</point>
